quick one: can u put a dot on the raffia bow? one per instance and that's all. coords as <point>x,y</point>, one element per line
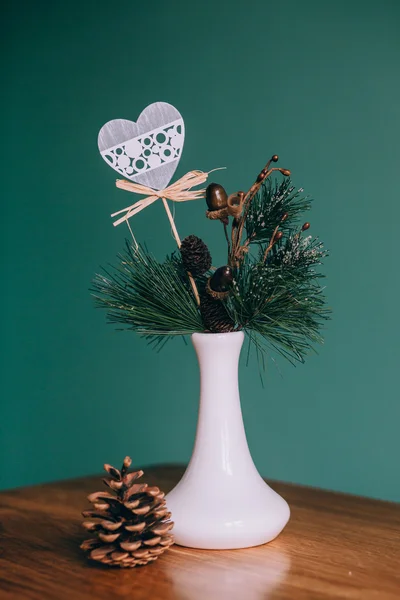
<point>180,191</point>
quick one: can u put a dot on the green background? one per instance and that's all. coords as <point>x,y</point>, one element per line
<point>317,83</point>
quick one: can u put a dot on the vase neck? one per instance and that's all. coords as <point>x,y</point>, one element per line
<point>218,356</point>
<point>220,439</point>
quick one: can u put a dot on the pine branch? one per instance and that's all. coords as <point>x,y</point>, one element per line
<point>299,254</point>
<point>281,301</point>
<point>273,201</point>
<point>151,298</point>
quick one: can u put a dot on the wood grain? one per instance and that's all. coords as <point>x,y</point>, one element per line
<point>335,546</point>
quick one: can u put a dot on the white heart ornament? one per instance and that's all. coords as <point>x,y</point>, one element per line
<point>148,151</point>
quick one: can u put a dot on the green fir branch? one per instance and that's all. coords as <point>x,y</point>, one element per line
<point>154,299</point>
<point>267,208</point>
<point>281,301</point>
<point>298,253</point>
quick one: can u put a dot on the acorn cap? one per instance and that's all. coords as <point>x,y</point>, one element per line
<point>235,204</point>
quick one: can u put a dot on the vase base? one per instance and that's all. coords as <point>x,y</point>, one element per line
<point>232,524</point>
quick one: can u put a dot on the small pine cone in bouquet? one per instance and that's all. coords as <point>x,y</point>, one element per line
<point>196,256</point>
<point>215,316</point>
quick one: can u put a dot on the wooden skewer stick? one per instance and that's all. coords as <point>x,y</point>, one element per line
<point>179,243</point>
<point>171,220</point>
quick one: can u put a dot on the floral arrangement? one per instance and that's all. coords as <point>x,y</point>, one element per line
<point>269,287</point>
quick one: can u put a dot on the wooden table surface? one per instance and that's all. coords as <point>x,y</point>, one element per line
<point>335,546</point>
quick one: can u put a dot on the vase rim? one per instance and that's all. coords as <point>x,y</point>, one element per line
<point>219,335</point>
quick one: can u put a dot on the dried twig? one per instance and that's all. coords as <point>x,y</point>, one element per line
<point>238,250</point>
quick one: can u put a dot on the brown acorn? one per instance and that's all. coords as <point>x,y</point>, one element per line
<point>222,280</point>
<point>216,197</point>
<point>305,226</point>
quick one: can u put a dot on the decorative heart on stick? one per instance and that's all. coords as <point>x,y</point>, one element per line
<point>148,151</point>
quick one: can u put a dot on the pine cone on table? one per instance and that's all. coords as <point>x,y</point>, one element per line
<point>196,256</point>
<point>131,523</point>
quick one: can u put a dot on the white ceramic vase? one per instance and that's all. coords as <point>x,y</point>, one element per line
<point>221,501</point>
